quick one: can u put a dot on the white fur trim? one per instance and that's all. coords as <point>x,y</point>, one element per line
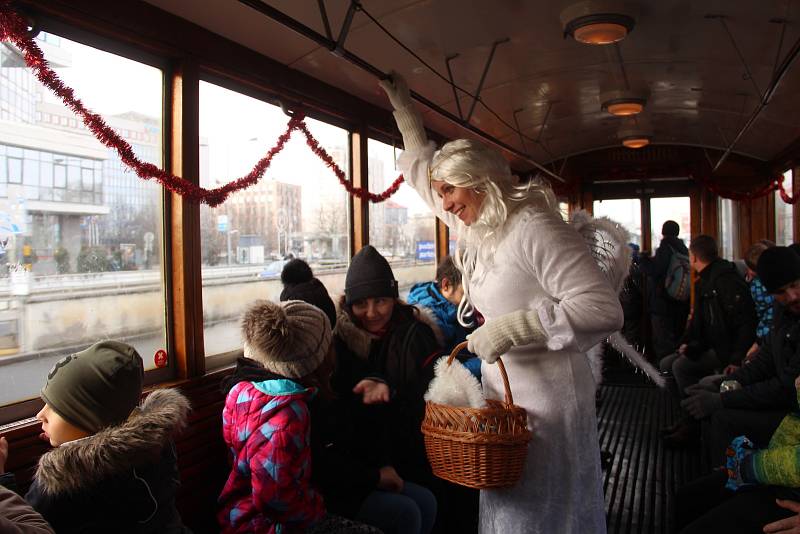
<point>454,385</point>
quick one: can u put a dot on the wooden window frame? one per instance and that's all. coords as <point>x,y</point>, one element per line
<point>144,33</point>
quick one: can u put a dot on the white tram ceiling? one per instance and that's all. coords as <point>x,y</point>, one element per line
<point>692,59</point>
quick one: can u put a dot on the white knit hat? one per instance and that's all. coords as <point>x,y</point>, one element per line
<point>290,339</point>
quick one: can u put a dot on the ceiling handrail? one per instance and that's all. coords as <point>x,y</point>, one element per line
<point>300,28</point>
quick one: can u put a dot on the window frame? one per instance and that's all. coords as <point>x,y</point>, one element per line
<point>127,29</point>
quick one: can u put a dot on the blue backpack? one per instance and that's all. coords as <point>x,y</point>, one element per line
<point>679,278</point>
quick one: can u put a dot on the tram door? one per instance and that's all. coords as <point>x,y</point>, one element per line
<point>643,217</point>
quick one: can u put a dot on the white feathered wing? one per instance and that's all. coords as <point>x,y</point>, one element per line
<point>608,243</point>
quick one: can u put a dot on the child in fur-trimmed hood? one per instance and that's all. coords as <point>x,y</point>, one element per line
<point>114,465</point>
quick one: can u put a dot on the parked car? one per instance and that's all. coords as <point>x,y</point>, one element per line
<point>273,269</point>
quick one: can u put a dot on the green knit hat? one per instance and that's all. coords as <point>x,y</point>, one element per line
<point>96,388</point>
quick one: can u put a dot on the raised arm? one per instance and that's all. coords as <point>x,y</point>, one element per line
<point>416,159</point>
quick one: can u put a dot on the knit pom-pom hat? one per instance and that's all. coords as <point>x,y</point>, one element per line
<point>299,284</point>
<point>290,339</point>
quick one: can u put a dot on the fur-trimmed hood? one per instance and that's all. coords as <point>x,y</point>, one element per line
<point>359,340</point>
<point>116,450</point>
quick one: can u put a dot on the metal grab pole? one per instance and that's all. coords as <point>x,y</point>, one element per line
<point>228,233</point>
<point>297,26</point>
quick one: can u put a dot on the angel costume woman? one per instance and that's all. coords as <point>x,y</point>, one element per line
<point>545,302</point>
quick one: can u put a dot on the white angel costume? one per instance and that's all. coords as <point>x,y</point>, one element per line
<point>542,265</point>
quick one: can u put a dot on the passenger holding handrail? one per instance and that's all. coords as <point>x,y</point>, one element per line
<point>545,302</point>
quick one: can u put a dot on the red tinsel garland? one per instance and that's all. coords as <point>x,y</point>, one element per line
<point>14,28</point>
<point>775,185</point>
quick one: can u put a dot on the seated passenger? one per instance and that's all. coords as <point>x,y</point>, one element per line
<point>114,466</point>
<point>723,320</point>
<point>267,426</point>
<point>442,297</point>
<point>16,515</point>
<point>721,330</point>
<point>299,283</point>
<point>766,391</point>
<point>763,300</point>
<point>741,498</point>
<point>350,445</point>
<point>381,337</point>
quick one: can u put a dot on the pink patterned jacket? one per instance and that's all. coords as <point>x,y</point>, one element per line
<point>267,427</point>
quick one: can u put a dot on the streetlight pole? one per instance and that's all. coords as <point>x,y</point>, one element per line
<point>229,232</point>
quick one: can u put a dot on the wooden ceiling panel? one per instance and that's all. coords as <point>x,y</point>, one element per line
<point>684,60</point>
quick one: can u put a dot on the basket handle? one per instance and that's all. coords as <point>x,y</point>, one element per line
<point>463,345</point>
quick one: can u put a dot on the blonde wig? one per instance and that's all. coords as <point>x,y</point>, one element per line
<point>472,165</point>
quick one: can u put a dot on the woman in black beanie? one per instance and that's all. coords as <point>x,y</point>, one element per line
<point>378,336</point>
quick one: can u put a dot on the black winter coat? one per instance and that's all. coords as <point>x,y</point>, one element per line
<point>403,358</point>
<point>724,317</point>
<point>768,379</point>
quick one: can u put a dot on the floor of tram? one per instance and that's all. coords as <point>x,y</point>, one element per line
<point>641,480</point>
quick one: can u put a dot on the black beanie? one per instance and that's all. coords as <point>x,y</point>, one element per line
<point>670,229</point>
<point>97,387</point>
<point>777,267</point>
<point>369,276</point>
<point>299,284</point>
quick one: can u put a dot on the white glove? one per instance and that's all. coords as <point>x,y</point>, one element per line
<point>498,335</point>
<point>396,89</point>
<point>408,119</point>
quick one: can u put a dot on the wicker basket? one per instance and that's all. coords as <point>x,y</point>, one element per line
<point>477,447</point>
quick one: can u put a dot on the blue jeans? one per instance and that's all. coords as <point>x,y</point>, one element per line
<point>412,511</point>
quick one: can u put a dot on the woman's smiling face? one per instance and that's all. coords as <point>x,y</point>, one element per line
<point>373,314</point>
<point>463,202</point>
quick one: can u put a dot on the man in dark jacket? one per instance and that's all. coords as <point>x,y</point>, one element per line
<point>723,325</point>
<point>765,390</point>
<point>668,316</point>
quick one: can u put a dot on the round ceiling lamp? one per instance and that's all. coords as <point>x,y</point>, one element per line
<point>635,132</point>
<point>625,106</point>
<point>597,22</point>
<point>636,141</point>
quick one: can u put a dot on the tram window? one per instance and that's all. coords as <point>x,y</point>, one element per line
<point>402,228</point>
<point>563,207</point>
<point>625,211</point>
<point>784,214</point>
<point>297,209</point>
<point>85,264</point>
<point>728,234</point>
<point>663,209</point>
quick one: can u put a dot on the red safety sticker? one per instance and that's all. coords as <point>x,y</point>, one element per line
<point>160,358</point>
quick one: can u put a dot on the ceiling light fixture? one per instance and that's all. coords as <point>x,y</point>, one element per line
<point>636,141</point>
<point>635,132</point>
<point>623,107</point>
<point>597,22</point>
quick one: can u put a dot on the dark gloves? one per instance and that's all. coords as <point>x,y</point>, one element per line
<point>702,404</point>
<point>709,383</point>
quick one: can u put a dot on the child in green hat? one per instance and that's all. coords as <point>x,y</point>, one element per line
<point>114,466</point>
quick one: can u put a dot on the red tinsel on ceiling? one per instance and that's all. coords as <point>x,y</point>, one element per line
<point>14,28</point>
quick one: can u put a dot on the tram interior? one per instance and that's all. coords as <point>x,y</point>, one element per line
<point>668,110</point>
